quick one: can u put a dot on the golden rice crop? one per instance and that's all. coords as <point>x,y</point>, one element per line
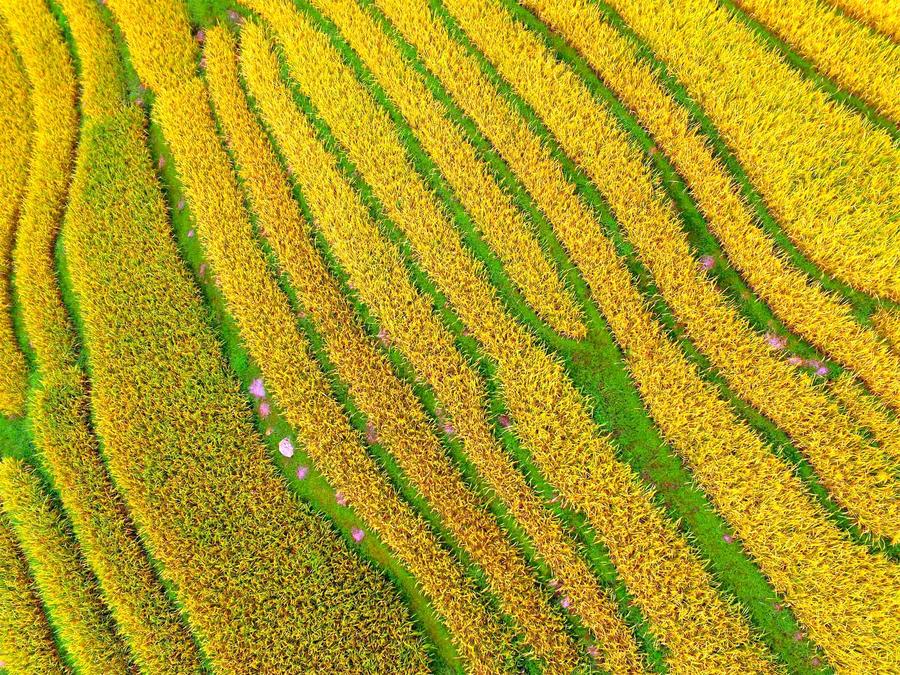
<point>821,317</point>
<point>266,583</point>
<point>887,323</point>
<point>658,566</point>
<point>15,137</point>
<point>59,407</point>
<point>69,590</point>
<point>357,337</point>
<point>27,644</point>
<point>862,61</point>
<point>395,418</point>
<point>869,413</point>
<point>788,397</point>
<point>49,69</point>
<point>298,385</point>
<point>879,14</point>
<point>786,529</point>
<point>504,227</point>
<point>835,192</point>
<point>410,325</point>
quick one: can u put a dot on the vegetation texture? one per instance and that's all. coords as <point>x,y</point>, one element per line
<point>449,336</point>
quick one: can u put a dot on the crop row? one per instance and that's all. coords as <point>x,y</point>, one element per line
<point>822,317</point>
<point>653,360</point>
<point>589,134</point>
<point>887,322</point>
<point>236,544</point>
<point>27,643</point>
<point>550,416</point>
<point>840,170</point>
<point>14,142</point>
<point>59,406</point>
<point>879,14</point>
<point>870,413</point>
<point>859,59</point>
<point>413,328</point>
<point>69,590</point>
<point>395,418</point>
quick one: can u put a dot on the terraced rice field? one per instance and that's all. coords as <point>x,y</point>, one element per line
<point>483,336</point>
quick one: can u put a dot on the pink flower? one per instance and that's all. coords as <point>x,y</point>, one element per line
<point>777,606</point>
<point>728,538</point>
<point>139,101</point>
<point>776,341</point>
<point>264,409</point>
<point>340,498</point>
<point>161,163</point>
<point>593,651</point>
<point>798,636</point>
<point>371,434</point>
<point>191,232</point>
<point>566,602</point>
<point>707,262</point>
<point>357,534</point>
<point>200,36</point>
<point>202,269</point>
<point>795,361</point>
<point>285,447</point>
<point>821,370</point>
<point>203,63</point>
<point>384,337</point>
<point>815,662</point>
<point>180,204</point>
<point>555,584</point>
<point>448,429</point>
<point>302,471</point>
<point>234,16</point>
<point>257,388</point>
<point>504,421</point>
<point>812,363</point>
